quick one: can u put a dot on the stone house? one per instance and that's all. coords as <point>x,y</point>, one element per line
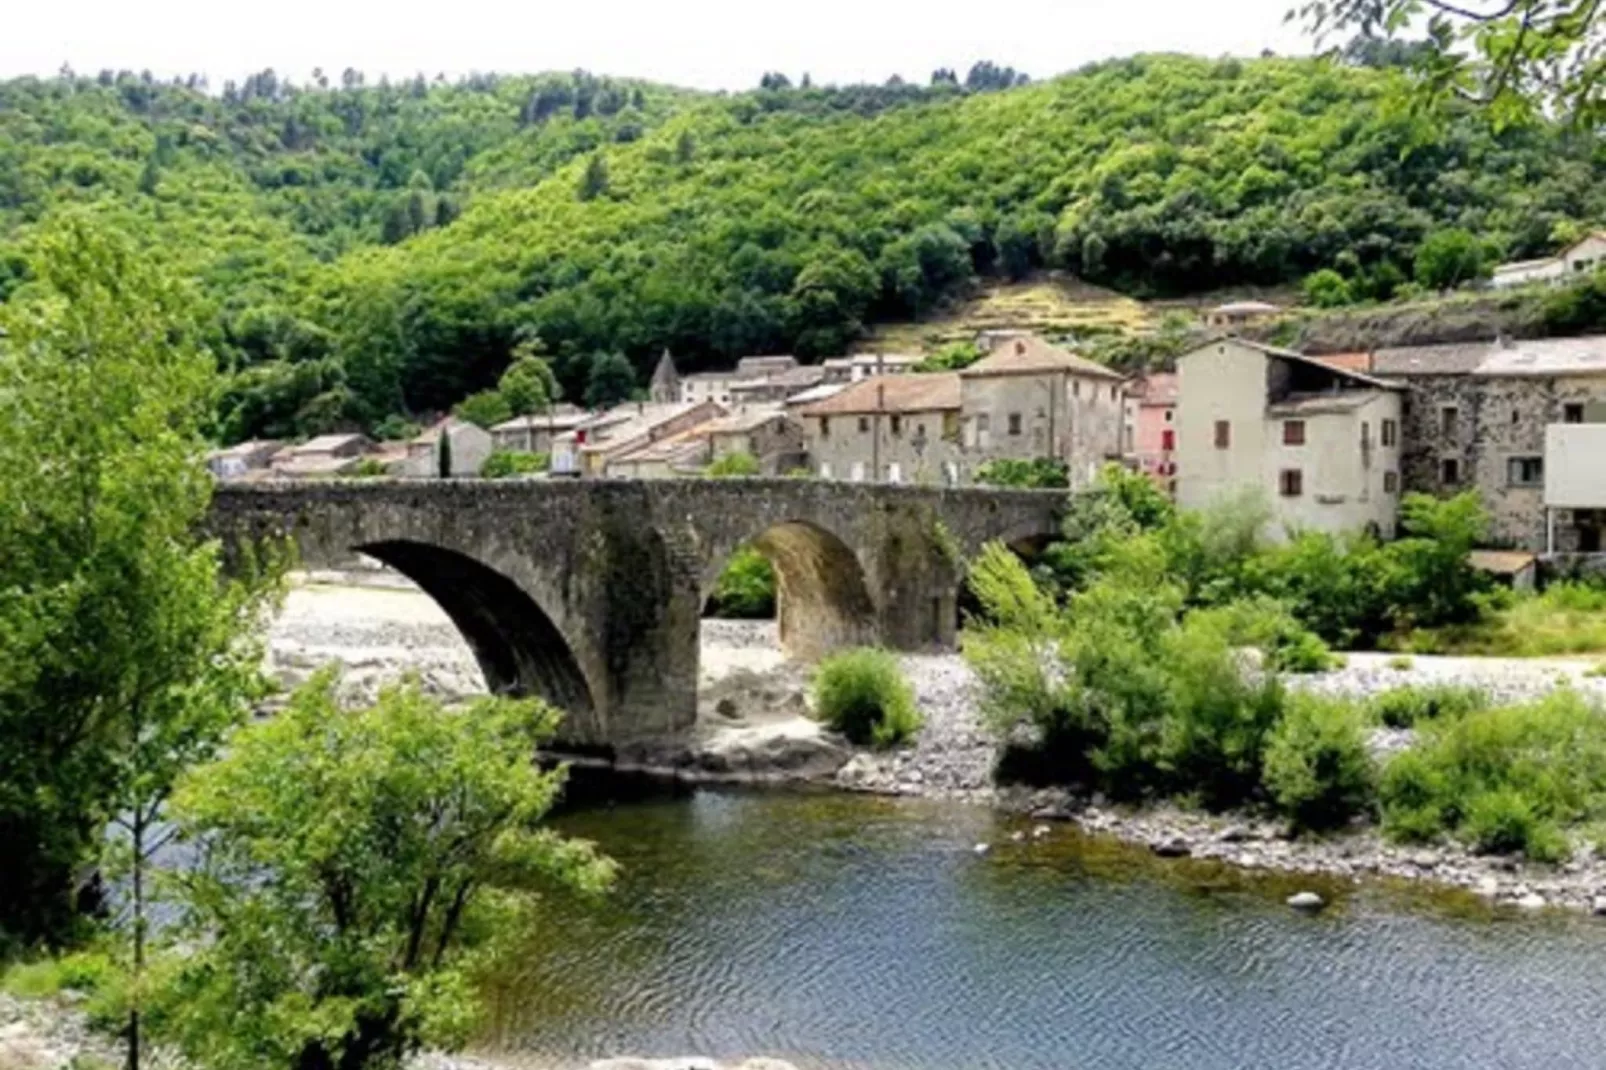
<point>535,433</point>
<point>860,366</point>
<point>592,445</point>
<point>235,462</point>
<point>1235,314</point>
<point>450,447</point>
<point>1581,257</point>
<point>325,455</point>
<point>893,429</point>
<point>1479,416</point>
<point>716,385</point>
<point>1029,399</point>
<point>1320,444</point>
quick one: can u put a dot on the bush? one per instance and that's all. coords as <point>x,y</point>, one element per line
<point>863,694</point>
<point>746,589</point>
<point>485,409</point>
<point>1460,780</point>
<point>1327,289</point>
<point>396,428</point>
<point>369,468</point>
<point>1406,707</point>
<point>734,464</point>
<point>1401,663</point>
<point>1317,768</point>
<point>1040,473</point>
<point>506,464</point>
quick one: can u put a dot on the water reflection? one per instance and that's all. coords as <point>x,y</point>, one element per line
<point>845,932</point>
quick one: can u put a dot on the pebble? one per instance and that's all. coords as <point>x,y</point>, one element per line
<point>1597,906</point>
<point>982,848</point>
<point>1531,901</point>
<point>1306,901</point>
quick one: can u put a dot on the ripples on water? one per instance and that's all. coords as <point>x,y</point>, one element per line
<point>842,931</point>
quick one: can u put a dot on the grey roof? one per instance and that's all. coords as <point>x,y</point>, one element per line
<point>1549,356</point>
<point>1457,358</point>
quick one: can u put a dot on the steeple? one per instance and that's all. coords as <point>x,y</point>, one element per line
<point>665,386</point>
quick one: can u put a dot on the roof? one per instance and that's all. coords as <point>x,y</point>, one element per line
<point>432,433</point>
<point>635,419</point>
<point>1312,362</point>
<point>1316,404</point>
<point>1500,562</point>
<point>1246,307</point>
<point>1157,388</point>
<point>1029,355</point>
<point>686,445</point>
<point>751,366</point>
<point>248,448</point>
<point>917,392</point>
<point>555,420</point>
<point>1456,358</point>
<point>1525,265</point>
<point>1547,356</point>
<point>807,375</point>
<point>1349,362</point>
<point>1594,235</point>
<point>739,422</point>
<point>327,443</point>
<point>816,393</point>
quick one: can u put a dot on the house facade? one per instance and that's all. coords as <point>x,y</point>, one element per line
<point>1319,444</point>
<point>1151,443</point>
<point>536,433</point>
<point>893,429</point>
<point>1582,257</point>
<point>450,448</point>
<point>1479,417</point>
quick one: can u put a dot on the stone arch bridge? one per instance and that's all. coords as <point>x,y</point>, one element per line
<point>589,593</point>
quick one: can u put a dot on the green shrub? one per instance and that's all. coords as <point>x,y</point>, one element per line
<point>1406,707</point>
<point>369,468</point>
<point>1401,663</point>
<point>1327,289</point>
<point>1317,768</point>
<point>746,589</point>
<point>1042,473</point>
<point>863,694</point>
<point>1502,776</point>
<point>394,428</point>
<point>505,464</point>
<point>736,463</point>
<point>80,971</point>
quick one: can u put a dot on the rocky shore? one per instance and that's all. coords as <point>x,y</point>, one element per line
<point>753,727</point>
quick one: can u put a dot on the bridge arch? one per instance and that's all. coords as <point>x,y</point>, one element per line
<point>823,599</point>
<point>519,648</point>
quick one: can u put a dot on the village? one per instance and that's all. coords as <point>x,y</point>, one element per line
<point>1330,442</point>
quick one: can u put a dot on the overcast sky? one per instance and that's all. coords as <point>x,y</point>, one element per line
<point>712,44</point>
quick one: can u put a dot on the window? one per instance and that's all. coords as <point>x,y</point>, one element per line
<point>1450,422</point>
<point>1168,440</point>
<point>1366,435</point>
<point>825,427</point>
<point>1391,432</point>
<point>1572,413</point>
<point>1169,413</point>
<point>894,472</point>
<point>1391,482</point>
<point>1516,417</point>
<point>1076,388</point>
<point>825,469</point>
<point>897,425</point>
<point>1223,434</point>
<point>983,430</point>
<point>1014,423</point>
<point>864,425</point>
<point>858,471</point>
<point>1114,393</point>
<point>1293,432</point>
<point>1449,471</point>
<point>1291,482</point>
<point>1525,471</point>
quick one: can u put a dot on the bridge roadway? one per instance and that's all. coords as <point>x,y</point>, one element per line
<point>589,593</point>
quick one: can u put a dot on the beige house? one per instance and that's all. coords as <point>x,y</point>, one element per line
<point>1029,399</point>
<point>535,433</point>
<point>1236,314</point>
<point>326,455</point>
<point>448,448</point>
<point>1581,257</point>
<point>1320,444</point>
<point>892,429</point>
<point>590,447</point>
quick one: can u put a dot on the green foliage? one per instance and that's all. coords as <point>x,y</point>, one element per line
<point>124,651</point>
<point>1040,473</point>
<point>484,409</point>
<point>505,464</point>
<point>1327,289</point>
<point>1407,707</point>
<point>951,358</point>
<point>1401,663</point>
<point>1503,778</point>
<point>396,428</point>
<point>1578,307</point>
<point>863,694</point>
<point>1317,768</point>
<point>746,588</point>
<point>610,381</point>
<point>735,463</point>
<point>354,869</point>
<point>529,386</point>
<point>1449,258</point>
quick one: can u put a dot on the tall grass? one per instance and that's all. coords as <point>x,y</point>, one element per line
<point>1567,618</point>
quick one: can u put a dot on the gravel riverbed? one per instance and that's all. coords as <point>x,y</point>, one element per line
<point>753,726</point>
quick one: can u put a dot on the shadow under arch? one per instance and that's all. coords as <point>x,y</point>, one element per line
<point>822,599</point>
<point>520,650</point>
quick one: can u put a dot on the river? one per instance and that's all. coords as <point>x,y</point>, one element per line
<point>842,931</point>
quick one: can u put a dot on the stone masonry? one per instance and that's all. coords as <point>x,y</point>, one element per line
<point>589,593</point>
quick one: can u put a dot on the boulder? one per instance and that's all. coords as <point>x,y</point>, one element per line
<point>1306,901</point>
<point>1172,847</point>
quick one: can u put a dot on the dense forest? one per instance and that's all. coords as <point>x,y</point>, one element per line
<point>364,250</point>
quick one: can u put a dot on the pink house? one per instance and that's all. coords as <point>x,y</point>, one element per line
<point>1154,428</point>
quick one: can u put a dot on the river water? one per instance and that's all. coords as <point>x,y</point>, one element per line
<point>847,931</point>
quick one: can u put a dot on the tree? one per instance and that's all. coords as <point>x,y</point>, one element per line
<point>1327,289</point>
<point>1521,58</point>
<point>1448,258</point>
<point>594,180</point>
<point>352,867</point>
<point>610,380</point>
<point>124,651</point>
<point>486,409</point>
<point>529,386</point>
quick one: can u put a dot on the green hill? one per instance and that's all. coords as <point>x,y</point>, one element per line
<point>366,250</point>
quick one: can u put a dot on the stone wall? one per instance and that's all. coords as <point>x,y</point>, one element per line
<point>589,593</point>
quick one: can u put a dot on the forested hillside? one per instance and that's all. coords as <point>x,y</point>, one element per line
<point>373,249</point>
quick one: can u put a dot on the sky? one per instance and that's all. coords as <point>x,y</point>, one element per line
<point>708,44</point>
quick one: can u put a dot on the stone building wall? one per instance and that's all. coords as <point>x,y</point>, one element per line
<point>1078,419</point>
<point>909,447</point>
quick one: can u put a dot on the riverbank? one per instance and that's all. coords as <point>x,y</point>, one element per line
<point>753,727</point>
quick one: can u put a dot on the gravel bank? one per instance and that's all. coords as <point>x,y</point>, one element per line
<point>753,726</point>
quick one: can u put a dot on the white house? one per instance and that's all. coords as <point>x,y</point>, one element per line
<point>1320,444</point>
<point>1580,258</point>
